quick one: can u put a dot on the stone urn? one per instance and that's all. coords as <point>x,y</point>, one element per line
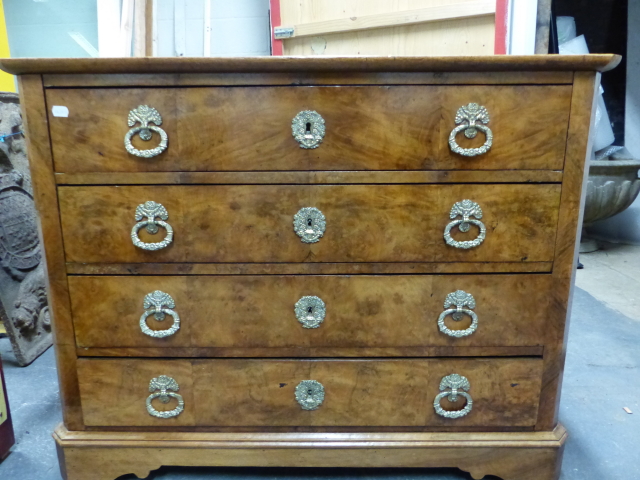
<point>613,185</point>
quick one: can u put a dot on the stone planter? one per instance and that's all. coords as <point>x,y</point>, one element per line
<point>613,185</point>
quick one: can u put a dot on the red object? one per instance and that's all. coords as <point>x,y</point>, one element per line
<point>502,12</point>
<point>7,439</point>
<point>274,16</point>
<point>500,48</point>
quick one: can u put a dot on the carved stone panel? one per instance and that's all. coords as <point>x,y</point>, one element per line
<point>23,296</point>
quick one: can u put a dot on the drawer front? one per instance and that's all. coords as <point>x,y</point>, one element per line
<point>365,128</point>
<point>363,223</point>
<point>352,393</point>
<point>259,312</point>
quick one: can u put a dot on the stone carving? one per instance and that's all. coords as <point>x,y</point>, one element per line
<point>23,297</point>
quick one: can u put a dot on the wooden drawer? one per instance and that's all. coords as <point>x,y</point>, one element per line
<point>261,393</point>
<point>364,223</point>
<point>254,315</point>
<point>367,128</point>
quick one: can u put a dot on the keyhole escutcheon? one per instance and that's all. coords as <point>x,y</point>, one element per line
<point>308,128</point>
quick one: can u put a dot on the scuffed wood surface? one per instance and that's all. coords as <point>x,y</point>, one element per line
<point>36,128</point>
<point>303,268</point>
<point>336,177</point>
<point>244,392</point>
<point>390,223</point>
<point>497,63</point>
<point>510,455</point>
<point>306,78</point>
<point>570,213</point>
<point>258,311</point>
<point>367,128</point>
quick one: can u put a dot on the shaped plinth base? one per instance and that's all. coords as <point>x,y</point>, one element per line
<point>508,455</point>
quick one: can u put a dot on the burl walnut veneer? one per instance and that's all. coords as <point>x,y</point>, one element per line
<point>317,262</point>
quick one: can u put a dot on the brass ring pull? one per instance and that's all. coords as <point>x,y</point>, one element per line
<point>167,386</point>
<point>144,115</point>
<point>471,119</point>
<point>457,385</point>
<point>150,210</point>
<point>459,299</point>
<point>466,209</point>
<point>309,394</point>
<point>159,304</point>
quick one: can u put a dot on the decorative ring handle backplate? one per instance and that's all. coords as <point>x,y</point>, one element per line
<point>309,394</point>
<point>458,299</point>
<point>308,128</point>
<point>471,118</point>
<point>310,311</point>
<point>145,115</point>
<point>467,209</point>
<point>159,304</point>
<point>309,224</point>
<point>451,387</point>
<point>150,210</point>
<point>167,387</point>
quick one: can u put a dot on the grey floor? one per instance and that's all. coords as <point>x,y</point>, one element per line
<point>601,378</point>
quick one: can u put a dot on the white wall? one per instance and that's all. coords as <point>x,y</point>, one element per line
<point>625,227</point>
<point>238,28</point>
<point>40,28</point>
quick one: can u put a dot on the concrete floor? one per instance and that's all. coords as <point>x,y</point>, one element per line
<point>601,378</point>
<point>612,275</point>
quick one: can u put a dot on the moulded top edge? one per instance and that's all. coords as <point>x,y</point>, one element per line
<point>492,63</point>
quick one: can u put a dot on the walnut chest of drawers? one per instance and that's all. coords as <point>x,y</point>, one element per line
<point>350,262</point>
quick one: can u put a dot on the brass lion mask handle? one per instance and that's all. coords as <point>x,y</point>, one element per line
<point>458,299</point>
<point>159,304</point>
<point>451,387</point>
<point>471,213</point>
<point>471,118</point>
<point>151,211</point>
<point>145,115</point>
<point>163,388</point>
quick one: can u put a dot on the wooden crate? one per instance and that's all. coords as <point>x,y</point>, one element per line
<point>383,27</point>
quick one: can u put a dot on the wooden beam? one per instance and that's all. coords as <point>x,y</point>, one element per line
<point>149,28</point>
<point>126,27</point>
<point>140,28</point>
<point>392,19</point>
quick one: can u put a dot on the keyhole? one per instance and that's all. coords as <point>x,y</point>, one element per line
<point>310,222</point>
<point>309,392</point>
<point>310,310</point>
<point>308,128</point>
